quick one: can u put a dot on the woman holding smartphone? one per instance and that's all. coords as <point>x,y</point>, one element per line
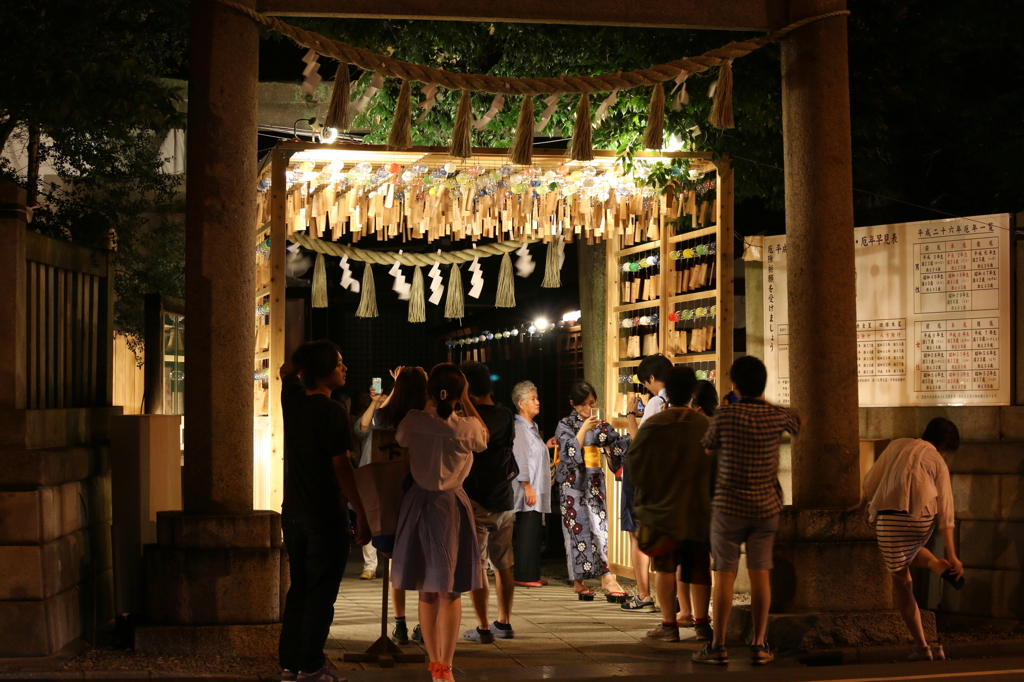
<point>436,551</point>
<point>582,439</point>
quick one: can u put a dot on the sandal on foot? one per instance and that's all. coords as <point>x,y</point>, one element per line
<point>957,583</point>
<point>617,597</point>
<point>585,595</point>
<point>441,672</point>
<point>478,635</point>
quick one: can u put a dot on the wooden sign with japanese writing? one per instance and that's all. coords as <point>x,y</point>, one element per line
<point>384,447</point>
<point>933,313</point>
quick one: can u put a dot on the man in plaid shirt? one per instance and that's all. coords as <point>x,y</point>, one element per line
<point>747,501</point>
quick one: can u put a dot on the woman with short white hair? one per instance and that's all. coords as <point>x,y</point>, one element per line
<point>532,488</point>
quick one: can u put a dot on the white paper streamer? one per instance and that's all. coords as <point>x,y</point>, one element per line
<point>376,83</point>
<point>497,104</point>
<point>311,79</point>
<point>524,262</point>
<point>400,286</point>
<point>549,111</point>
<point>436,284</point>
<point>431,99</point>
<point>602,111</point>
<point>476,283</point>
<point>347,280</point>
<point>681,96</point>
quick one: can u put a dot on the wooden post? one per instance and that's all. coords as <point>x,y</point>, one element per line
<point>13,284</point>
<point>278,281</point>
<point>725,259</point>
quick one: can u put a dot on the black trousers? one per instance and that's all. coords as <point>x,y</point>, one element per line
<point>529,535</point>
<point>317,552</point>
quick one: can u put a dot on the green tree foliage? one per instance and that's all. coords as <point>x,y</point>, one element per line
<point>934,89</point>
<point>80,81</point>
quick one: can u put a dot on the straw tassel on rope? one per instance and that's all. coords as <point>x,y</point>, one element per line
<point>654,136</point>
<point>368,302</point>
<point>522,145</point>
<point>337,110</point>
<point>462,134</point>
<point>319,293</point>
<point>506,297</point>
<point>400,136</point>
<point>417,306</point>
<point>721,111</point>
<point>582,145</point>
<point>552,267</point>
<point>455,306</point>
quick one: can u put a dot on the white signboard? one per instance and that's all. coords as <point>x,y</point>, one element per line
<point>933,313</point>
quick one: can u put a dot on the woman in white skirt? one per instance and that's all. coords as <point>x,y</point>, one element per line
<point>436,551</point>
<point>907,494</point>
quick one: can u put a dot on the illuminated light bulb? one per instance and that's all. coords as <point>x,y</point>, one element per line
<point>541,324</point>
<point>328,135</point>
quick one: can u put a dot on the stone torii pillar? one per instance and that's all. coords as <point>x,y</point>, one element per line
<point>829,585</point>
<point>218,563</point>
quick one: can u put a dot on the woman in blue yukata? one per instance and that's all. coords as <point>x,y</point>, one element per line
<point>581,438</point>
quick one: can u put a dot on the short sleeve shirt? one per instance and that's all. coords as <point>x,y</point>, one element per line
<point>440,450</point>
<point>316,430</point>
<point>747,435</point>
<point>500,424</point>
<point>655,405</point>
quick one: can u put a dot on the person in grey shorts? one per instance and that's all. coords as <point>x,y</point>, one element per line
<point>745,435</point>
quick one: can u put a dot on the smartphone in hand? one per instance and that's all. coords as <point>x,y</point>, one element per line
<point>376,385</point>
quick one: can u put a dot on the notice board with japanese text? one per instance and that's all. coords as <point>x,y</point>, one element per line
<point>933,313</point>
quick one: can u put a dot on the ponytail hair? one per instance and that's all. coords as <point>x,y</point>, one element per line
<point>445,377</point>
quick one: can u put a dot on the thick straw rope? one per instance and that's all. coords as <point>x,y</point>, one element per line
<point>502,85</point>
<point>389,257</point>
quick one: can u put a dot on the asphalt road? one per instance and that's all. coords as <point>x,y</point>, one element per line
<point>984,670</point>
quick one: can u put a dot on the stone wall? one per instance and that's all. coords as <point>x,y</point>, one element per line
<point>988,490</point>
<point>57,575</point>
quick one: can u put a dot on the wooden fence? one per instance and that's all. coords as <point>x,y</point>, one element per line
<point>129,378</point>
<point>58,299</point>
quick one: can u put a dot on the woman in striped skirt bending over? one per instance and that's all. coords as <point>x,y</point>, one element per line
<point>907,494</point>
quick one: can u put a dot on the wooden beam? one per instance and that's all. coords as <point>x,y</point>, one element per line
<point>735,15</point>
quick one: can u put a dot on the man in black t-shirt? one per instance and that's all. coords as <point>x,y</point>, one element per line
<point>490,490</point>
<point>318,471</point>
